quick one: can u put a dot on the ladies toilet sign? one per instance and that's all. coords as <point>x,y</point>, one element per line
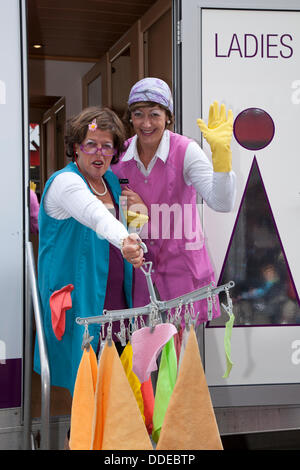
<point>248,46</point>
<point>2,352</point>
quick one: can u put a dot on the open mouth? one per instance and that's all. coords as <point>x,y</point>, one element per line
<point>97,163</point>
<point>147,133</point>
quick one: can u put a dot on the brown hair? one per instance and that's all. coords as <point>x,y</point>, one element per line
<point>77,128</point>
<point>146,104</point>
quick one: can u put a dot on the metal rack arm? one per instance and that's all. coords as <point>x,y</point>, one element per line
<point>161,306</point>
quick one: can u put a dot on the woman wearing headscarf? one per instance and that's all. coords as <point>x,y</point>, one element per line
<point>165,172</point>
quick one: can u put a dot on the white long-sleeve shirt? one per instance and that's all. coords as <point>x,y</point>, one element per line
<point>68,195</point>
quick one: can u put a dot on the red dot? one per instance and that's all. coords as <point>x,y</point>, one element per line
<point>253,128</point>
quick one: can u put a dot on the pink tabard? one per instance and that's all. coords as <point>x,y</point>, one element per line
<point>173,236</point>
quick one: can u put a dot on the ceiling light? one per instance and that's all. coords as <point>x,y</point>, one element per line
<point>37,46</point>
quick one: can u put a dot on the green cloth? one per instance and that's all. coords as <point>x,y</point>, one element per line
<point>165,384</point>
<point>227,345</point>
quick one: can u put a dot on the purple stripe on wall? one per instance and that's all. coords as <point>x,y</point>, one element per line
<point>10,383</point>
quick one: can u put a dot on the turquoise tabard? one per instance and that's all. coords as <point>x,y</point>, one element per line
<point>71,253</point>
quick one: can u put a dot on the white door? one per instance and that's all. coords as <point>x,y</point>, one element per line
<point>14,124</point>
<point>247,55</point>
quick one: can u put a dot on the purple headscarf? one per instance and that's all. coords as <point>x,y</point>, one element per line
<point>151,89</point>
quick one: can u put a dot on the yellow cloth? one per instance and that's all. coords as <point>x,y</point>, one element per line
<point>218,134</point>
<point>126,359</point>
<point>190,422</point>
<point>117,424</point>
<point>83,402</point>
<point>135,219</point>
<point>33,185</point>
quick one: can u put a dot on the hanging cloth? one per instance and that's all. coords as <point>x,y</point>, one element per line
<point>117,423</point>
<point>60,301</point>
<point>190,422</point>
<point>144,358</point>
<point>83,402</point>
<point>184,338</point>
<point>177,342</point>
<point>165,385</point>
<point>227,345</point>
<point>148,399</point>
<point>126,359</point>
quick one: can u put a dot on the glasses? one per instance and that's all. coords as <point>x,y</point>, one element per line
<point>153,115</point>
<point>91,149</point>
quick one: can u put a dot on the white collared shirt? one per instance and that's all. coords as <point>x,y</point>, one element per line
<point>162,152</point>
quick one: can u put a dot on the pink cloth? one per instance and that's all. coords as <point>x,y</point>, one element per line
<point>60,301</point>
<point>34,212</point>
<point>146,347</point>
<point>181,263</point>
<point>177,343</point>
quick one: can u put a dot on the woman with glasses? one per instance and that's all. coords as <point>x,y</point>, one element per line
<point>166,172</point>
<point>85,251</point>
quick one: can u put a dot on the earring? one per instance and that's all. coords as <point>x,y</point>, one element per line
<point>130,120</point>
<point>168,121</point>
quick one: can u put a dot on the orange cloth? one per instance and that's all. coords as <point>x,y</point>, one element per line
<point>190,422</point>
<point>83,402</point>
<point>118,423</point>
<point>148,398</point>
<point>60,301</point>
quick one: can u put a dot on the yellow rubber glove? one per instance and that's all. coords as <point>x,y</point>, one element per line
<point>218,134</point>
<point>134,219</point>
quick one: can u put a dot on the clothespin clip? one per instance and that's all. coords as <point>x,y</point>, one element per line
<point>195,319</point>
<point>122,334</point>
<point>187,316</point>
<point>135,325</point>
<point>214,296</point>
<point>177,315</point>
<point>142,322</point>
<point>194,316</point>
<point>192,311</point>
<point>229,308</point>
<point>209,306</point>
<point>170,318</point>
<point>129,329</point>
<point>102,334</point>
<point>153,317</point>
<point>109,333</point>
<point>87,339</point>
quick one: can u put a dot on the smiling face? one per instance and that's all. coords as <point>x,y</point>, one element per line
<point>93,166</point>
<point>149,124</point>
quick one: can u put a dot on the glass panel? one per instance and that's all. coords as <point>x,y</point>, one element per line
<point>121,81</point>
<point>95,92</point>
<point>59,141</point>
<point>264,292</point>
<point>34,169</point>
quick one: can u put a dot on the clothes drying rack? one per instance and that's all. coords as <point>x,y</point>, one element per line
<point>156,307</point>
